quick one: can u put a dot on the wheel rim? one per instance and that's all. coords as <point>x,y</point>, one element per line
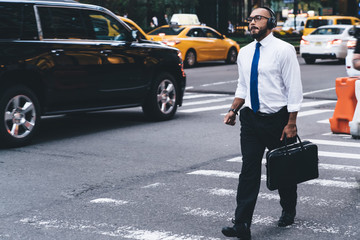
<point>233,56</point>
<point>20,116</point>
<point>166,96</point>
<point>190,59</point>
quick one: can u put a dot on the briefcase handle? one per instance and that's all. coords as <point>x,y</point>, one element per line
<point>286,146</point>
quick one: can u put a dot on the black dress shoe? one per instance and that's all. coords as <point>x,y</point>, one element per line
<point>241,231</point>
<point>286,219</point>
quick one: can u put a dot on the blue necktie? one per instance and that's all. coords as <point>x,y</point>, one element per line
<point>254,94</point>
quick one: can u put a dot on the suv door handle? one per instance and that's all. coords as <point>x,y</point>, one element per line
<point>106,52</point>
<point>57,52</point>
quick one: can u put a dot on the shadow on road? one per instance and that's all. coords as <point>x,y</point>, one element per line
<point>68,126</point>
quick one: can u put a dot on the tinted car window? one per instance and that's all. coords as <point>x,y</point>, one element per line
<point>315,23</point>
<point>106,27</point>
<point>195,32</point>
<point>63,23</point>
<point>17,22</point>
<point>211,34</point>
<point>344,21</point>
<point>138,33</point>
<point>167,31</point>
<point>328,31</point>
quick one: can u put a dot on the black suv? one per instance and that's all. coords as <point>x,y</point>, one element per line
<point>61,57</point>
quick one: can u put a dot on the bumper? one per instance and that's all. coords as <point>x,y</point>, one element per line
<point>319,56</point>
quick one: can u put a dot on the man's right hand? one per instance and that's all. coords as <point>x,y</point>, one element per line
<point>230,118</point>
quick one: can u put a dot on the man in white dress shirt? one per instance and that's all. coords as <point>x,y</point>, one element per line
<point>269,93</point>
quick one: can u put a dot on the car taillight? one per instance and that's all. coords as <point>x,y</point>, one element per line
<point>171,43</point>
<point>304,42</point>
<point>351,44</point>
<point>335,42</point>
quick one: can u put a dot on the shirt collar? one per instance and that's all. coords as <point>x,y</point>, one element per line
<point>266,40</point>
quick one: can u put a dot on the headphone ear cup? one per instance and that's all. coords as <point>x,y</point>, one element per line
<point>271,23</point>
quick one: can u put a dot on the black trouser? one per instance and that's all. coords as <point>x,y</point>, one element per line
<point>259,131</point>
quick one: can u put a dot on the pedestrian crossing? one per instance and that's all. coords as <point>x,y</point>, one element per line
<point>192,104</point>
<point>339,177</point>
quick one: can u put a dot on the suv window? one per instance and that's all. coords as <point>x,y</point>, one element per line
<point>344,21</point>
<point>17,22</point>
<point>106,27</point>
<point>62,23</point>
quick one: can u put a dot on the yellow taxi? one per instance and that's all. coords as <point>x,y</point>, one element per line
<point>197,43</point>
<point>140,33</point>
<point>314,22</point>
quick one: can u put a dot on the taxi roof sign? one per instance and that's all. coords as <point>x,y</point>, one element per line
<point>185,19</point>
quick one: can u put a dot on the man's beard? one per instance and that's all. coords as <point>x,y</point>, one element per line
<point>261,33</point>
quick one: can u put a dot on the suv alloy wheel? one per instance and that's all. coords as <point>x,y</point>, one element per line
<point>20,113</point>
<point>161,103</point>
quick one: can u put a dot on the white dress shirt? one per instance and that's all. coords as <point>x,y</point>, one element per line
<point>279,79</point>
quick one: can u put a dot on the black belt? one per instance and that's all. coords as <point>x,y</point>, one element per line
<point>261,114</point>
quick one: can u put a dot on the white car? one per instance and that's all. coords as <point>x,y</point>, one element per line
<point>350,70</point>
<point>326,42</point>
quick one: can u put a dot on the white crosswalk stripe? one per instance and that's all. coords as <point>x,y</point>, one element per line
<point>229,98</point>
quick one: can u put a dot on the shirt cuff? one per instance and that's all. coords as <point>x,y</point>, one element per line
<point>293,107</point>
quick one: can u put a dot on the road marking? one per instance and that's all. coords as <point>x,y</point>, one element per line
<point>316,103</point>
<point>270,221</point>
<point>203,212</point>
<point>111,230</point>
<point>313,201</point>
<point>208,101</point>
<point>318,91</point>
<point>326,121</point>
<point>339,155</point>
<point>335,143</point>
<point>154,185</point>
<point>192,96</point>
<point>321,182</point>
<point>109,200</point>
<point>321,165</point>
<point>193,110</point>
<point>219,83</point>
<point>313,112</point>
<point>211,108</point>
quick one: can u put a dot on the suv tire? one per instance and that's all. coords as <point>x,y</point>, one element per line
<point>20,116</point>
<point>161,103</point>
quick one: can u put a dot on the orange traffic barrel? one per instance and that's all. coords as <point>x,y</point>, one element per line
<point>345,105</point>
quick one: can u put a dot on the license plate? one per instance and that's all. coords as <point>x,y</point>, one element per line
<point>318,44</point>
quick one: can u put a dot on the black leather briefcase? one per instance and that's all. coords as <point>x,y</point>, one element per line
<point>291,164</point>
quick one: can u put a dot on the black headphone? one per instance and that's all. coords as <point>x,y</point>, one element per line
<point>271,23</point>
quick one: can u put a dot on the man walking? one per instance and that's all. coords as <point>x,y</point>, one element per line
<point>270,92</point>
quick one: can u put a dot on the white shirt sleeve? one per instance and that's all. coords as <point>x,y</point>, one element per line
<point>241,89</point>
<point>291,74</point>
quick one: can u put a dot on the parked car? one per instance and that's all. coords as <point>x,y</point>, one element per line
<point>197,43</point>
<point>326,42</point>
<point>351,44</point>
<point>350,70</point>
<point>314,22</point>
<point>65,57</point>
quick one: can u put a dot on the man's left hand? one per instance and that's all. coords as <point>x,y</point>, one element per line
<point>289,131</point>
